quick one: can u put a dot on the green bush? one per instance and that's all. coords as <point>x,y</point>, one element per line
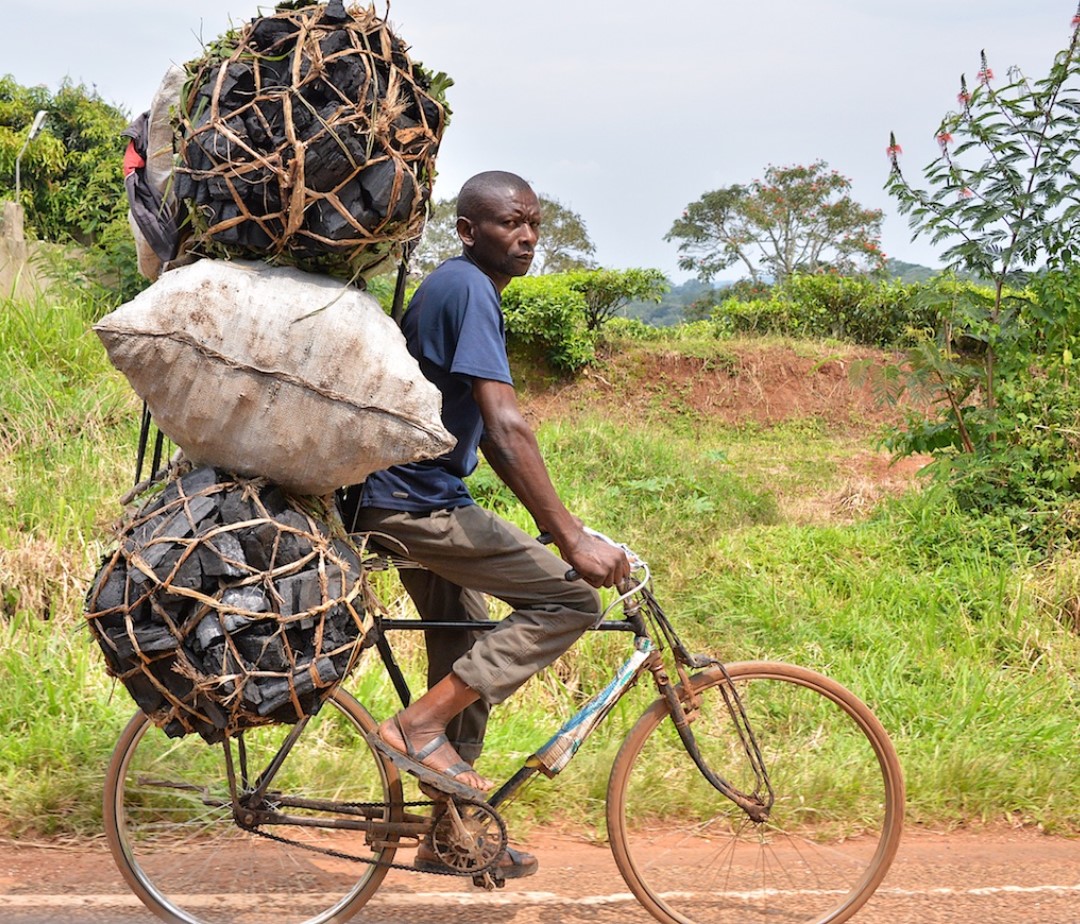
<point>854,308</point>
<point>548,312</point>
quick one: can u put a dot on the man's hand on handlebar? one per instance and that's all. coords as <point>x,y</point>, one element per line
<point>596,560</point>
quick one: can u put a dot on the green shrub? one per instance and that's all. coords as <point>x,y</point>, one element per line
<point>548,312</point>
<point>853,308</point>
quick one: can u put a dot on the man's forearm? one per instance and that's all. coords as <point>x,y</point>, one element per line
<point>515,457</point>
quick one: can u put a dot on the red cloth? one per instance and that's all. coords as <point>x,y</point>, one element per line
<point>133,160</point>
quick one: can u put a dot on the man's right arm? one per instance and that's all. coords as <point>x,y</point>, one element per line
<point>510,448</point>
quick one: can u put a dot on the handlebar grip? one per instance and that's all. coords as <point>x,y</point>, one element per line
<point>547,539</point>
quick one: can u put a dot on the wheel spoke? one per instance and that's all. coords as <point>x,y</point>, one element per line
<point>691,855</point>
<point>169,820</point>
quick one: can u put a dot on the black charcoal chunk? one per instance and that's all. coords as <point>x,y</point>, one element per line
<point>208,631</point>
<point>235,622</point>
<point>155,640</point>
<point>248,599</point>
<point>222,556</point>
<point>109,593</point>
<point>262,652</point>
<point>189,574</point>
<point>268,33</point>
<point>334,14</point>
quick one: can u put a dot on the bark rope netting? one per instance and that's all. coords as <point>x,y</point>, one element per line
<point>308,136</point>
<point>229,604</point>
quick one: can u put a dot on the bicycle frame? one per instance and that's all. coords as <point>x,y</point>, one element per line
<point>640,609</point>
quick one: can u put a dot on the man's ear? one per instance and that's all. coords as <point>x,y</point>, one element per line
<point>465,231</point>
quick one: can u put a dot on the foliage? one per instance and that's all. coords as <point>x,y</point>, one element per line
<point>72,177</point>
<point>936,620</point>
<point>678,303</point>
<point>561,314</point>
<point>854,308</point>
<point>796,219</point>
<point>564,243</point>
<point>607,291</point>
<point>547,313</point>
<point>439,241</point>
<point>1004,193</point>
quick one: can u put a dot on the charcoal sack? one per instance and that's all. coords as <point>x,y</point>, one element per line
<point>309,136</point>
<point>228,604</point>
<point>276,373</point>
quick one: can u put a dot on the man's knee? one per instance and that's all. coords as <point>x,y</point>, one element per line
<point>584,604</point>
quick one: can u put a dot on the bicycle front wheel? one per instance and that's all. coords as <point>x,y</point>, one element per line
<point>170,824</point>
<point>691,856</point>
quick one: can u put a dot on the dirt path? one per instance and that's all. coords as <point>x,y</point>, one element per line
<point>961,878</point>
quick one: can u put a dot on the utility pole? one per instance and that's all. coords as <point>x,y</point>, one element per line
<point>35,127</point>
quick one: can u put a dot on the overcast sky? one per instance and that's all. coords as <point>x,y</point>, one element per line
<point>624,111</point>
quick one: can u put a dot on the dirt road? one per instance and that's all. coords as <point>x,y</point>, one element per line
<point>1005,877</point>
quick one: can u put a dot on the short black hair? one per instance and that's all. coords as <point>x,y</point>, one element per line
<point>476,195</point>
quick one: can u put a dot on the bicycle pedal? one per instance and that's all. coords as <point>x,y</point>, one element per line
<point>489,881</point>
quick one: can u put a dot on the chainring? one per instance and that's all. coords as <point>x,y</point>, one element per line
<point>468,836</point>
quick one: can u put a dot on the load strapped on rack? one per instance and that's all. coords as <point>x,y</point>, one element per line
<point>311,137</point>
<point>229,604</point>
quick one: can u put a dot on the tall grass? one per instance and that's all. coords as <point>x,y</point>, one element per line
<point>964,646</point>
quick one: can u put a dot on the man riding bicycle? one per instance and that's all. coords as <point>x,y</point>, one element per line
<point>454,328</point>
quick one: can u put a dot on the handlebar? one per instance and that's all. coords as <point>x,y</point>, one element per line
<point>637,563</point>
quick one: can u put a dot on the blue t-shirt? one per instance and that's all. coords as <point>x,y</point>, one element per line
<point>454,328</point>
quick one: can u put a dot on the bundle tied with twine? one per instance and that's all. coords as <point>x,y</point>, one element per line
<point>229,604</point>
<point>309,138</point>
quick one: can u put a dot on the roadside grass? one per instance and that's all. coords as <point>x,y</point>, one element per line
<point>965,647</point>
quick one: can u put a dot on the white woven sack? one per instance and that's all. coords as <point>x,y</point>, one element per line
<point>277,373</point>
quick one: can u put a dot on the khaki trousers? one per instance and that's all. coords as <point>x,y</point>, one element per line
<point>469,552</point>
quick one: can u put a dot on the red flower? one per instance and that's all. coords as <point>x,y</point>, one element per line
<point>963,97</point>
<point>944,139</point>
<point>966,193</point>
<point>1075,21</point>
<point>893,149</point>
<point>985,75</point>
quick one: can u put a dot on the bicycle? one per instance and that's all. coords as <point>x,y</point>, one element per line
<point>790,806</point>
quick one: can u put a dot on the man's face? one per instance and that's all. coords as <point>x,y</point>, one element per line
<point>502,241</point>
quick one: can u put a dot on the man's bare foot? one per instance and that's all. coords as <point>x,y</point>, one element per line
<point>432,749</point>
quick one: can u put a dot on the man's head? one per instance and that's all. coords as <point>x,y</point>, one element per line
<point>499,224</point>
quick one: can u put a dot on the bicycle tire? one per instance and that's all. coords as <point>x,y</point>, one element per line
<point>690,856</point>
<point>170,825</point>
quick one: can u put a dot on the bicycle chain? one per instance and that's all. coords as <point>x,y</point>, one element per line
<point>341,855</point>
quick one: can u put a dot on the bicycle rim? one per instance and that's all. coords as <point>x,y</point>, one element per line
<point>171,829</point>
<point>690,855</point>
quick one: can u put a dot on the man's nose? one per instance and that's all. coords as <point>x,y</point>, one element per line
<point>530,234</point>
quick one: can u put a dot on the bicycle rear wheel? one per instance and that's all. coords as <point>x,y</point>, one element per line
<point>691,856</point>
<point>170,825</point>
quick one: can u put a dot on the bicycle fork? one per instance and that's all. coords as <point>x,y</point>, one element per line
<point>756,806</point>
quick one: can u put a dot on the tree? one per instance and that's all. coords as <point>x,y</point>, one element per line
<point>439,241</point>
<point>72,173</point>
<point>606,291</point>
<point>1004,193</point>
<point>564,243</point>
<point>795,219</point>
<point>72,186</point>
